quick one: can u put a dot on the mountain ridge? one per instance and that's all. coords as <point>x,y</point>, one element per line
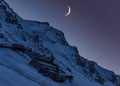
<point>38,54</point>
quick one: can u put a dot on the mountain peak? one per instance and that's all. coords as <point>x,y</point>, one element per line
<point>7,14</point>
<point>34,53</point>
<point>4,6</point>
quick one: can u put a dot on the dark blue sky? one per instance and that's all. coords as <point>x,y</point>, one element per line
<point>93,26</point>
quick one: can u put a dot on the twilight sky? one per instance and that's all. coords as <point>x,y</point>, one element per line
<point>93,26</point>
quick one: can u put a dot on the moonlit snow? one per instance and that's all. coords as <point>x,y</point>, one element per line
<point>23,41</point>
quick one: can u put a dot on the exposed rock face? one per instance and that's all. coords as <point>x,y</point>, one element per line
<point>37,54</point>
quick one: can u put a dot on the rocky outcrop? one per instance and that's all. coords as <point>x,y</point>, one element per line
<point>44,51</point>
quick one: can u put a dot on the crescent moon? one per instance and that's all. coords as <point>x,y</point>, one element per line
<point>69,11</point>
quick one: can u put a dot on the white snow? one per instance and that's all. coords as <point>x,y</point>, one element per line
<point>14,65</point>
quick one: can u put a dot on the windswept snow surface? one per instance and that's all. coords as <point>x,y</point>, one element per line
<point>43,41</point>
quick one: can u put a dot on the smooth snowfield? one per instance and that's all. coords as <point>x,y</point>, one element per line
<point>14,71</point>
<point>42,41</point>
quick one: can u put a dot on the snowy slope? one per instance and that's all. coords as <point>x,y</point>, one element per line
<point>34,53</point>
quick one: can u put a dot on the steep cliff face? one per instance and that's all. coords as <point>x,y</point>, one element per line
<point>34,53</point>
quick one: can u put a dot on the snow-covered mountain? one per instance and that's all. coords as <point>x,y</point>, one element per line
<point>34,53</point>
